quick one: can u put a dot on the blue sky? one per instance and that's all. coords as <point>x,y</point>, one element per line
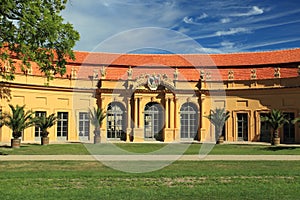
<point>185,26</point>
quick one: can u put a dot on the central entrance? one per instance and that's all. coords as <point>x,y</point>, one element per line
<point>115,121</point>
<point>153,117</point>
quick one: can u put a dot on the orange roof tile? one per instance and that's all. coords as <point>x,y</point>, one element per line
<point>189,65</point>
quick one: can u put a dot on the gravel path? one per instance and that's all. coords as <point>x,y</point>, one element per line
<point>147,157</point>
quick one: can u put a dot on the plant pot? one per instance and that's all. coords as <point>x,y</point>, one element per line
<point>276,141</point>
<point>15,143</point>
<point>97,139</point>
<point>220,140</point>
<point>44,140</point>
<point>131,138</point>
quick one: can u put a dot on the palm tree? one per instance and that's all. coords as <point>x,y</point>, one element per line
<point>44,123</point>
<point>296,120</point>
<point>218,117</point>
<point>276,119</point>
<point>18,120</point>
<point>97,117</point>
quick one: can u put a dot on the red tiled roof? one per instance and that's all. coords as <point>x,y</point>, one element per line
<point>182,60</point>
<point>189,65</point>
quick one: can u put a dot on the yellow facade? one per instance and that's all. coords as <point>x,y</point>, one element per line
<point>171,111</point>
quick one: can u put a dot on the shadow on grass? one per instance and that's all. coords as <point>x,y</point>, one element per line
<point>280,148</point>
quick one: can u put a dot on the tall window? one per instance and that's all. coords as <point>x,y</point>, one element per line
<point>62,125</point>
<point>242,126</point>
<point>265,130</point>
<point>153,118</point>
<point>115,120</point>
<point>37,130</point>
<point>289,129</point>
<point>84,125</point>
<point>188,121</point>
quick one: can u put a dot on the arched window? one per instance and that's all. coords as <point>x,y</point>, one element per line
<point>115,120</point>
<point>153,117</point>
<point>188,121</point>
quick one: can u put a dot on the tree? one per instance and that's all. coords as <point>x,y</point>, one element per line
<point>296,120</point>
<point>33,30</point>
<point>97,117</point>
<point>218,117</point>
<point>44,123</point>
<point>18,120</point>
<point>276,119</point>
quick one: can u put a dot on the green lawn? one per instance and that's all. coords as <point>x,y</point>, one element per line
<point>180,180</point>
<point>81,149</point>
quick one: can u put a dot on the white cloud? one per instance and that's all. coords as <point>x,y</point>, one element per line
<point>191,20</point>
<point>255,10</point>
<point>268,43</point>
<point>203,16</point>
<point>188,20</point>
<point>225,20</point>
<point>232,31</point>
<point>227,44</point>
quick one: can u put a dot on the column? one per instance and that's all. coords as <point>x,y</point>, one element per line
<point>172,114</point>
<point>128,120</point>
<point>176,121</point>
<point>140,116</point>
<point>138,131</point>
<point>167,113</point>
<point>136,112</point>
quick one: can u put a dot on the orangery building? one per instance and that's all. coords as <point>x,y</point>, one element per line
<point>161,97</point>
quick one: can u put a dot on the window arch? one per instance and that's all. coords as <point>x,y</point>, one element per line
<point>188,121</point>
<point>153,118</point>
<point>116,120</point>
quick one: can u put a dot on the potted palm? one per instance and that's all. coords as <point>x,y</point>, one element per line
<point>218,117</point>
<point>295,121</point>
<point>97,117</point>
<point>18,120</point>
<point>276,119</point>
<point>44,123</point>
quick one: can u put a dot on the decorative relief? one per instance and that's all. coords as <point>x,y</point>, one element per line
<point>202,75</point>
<point>277,72</point>
<point>208,76</point>
<point>153,81</point>
<point>253,74</point>
<point>103,72</point>
<point>230,75</point>
<point>95,74</point>
<point>176,74</point>
<point>129,72</point>
<point>73,73</point>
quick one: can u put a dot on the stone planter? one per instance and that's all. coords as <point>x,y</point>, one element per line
<point>220,140</point>
<point>97,139</point>
<point>276,141</point>
<point>15,143</point>
<point>44,140</point>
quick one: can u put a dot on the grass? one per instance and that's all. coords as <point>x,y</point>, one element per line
<point>180,180</point>
<point>53,149</point>
<point>85,149</point>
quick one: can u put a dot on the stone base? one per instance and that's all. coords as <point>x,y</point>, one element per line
<point>169,135</point>
<point>15,143</point>
<point>138,135</point>
<point>44,140</point>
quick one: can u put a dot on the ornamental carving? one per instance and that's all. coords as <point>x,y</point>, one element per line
<point>153,81</point>
<point>230,75</point>
<point>253,74</point>
<point>277,72</point>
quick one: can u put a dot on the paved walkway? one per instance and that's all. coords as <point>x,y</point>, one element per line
<point>147,157</point>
